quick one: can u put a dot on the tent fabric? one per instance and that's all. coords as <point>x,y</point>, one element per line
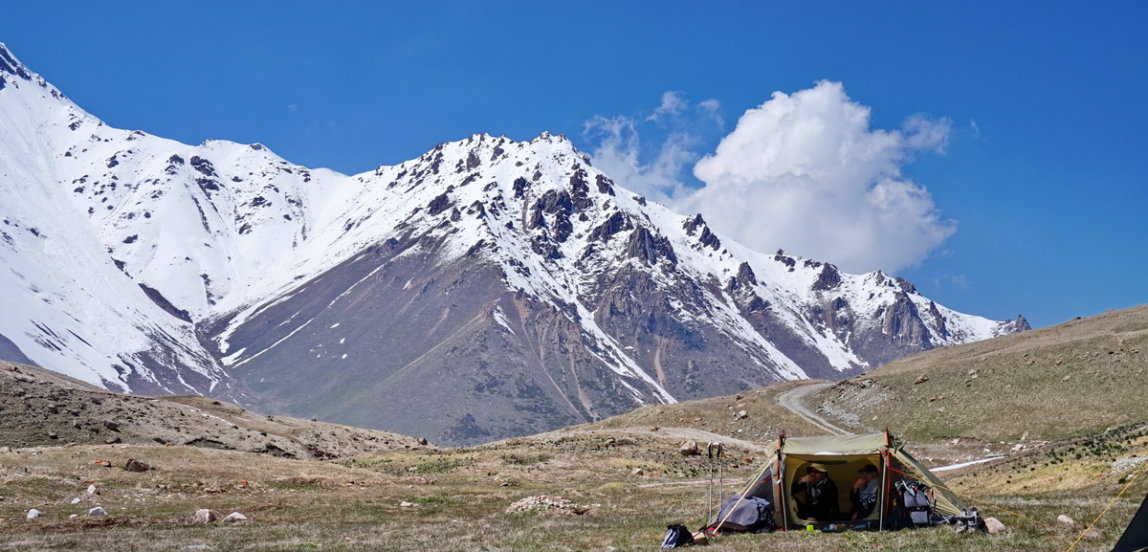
<point>1135,537</point>
<point>844,455</point>
<point>748,514</point>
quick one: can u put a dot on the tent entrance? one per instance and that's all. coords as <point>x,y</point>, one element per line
<point>843,471</point>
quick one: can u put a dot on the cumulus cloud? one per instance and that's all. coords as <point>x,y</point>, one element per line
<point>805,172</point>
<point>802,172</point>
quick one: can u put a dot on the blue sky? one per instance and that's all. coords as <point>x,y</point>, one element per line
<point>1031,160</point>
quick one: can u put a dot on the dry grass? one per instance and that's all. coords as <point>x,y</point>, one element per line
<point>1085,437</point>
<point>459,499</point>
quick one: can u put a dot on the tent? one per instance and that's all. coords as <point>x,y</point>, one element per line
<point>842,456</point>
<point>1135,537</point>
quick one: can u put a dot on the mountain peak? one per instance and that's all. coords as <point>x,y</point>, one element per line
<point>12,72</point>
<point>11,66</point>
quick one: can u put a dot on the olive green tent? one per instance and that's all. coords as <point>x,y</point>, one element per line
<point>1135,537</point>
<point>842,456</point>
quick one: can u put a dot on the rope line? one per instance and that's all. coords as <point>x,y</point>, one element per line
<point>1109,506</point>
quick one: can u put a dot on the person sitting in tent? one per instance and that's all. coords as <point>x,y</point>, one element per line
<point>816,495</point>
<point>864,493</point>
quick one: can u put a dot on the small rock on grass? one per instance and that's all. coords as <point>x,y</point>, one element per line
<point>994,525</point>
<point>203,515</point>
<point>234,517</point>
<point>97,511</point>
<point>1065,521</point>
<point>33,513</point>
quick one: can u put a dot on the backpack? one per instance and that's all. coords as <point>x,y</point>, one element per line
<point>677,536</point>
<point>915,502</point>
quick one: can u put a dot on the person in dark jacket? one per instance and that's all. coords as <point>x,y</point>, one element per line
<point>816,495</point>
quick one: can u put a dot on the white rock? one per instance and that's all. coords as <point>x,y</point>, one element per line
<point>33,513</point>
<point>234,517</point>
<point>97,511</point>
<point>405,504</point>
<point>92,491</point>
<point>1065,520</point>
<point>73,516</point>
<point>76,500</point>
<point>994,525</point>
<point>203,515</point>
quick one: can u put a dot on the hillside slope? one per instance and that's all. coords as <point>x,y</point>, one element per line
<point>42,408</point>
<point>1076,378</point>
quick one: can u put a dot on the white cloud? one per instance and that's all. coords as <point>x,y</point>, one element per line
<point>672,104</point>
<point>711,108</point>
<point>617,154</point>
<point>801,172</point>
<point>804,172</point>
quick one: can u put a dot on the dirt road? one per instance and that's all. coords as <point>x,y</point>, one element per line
<point>794,401</point>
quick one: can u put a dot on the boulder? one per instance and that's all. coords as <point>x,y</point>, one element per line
<point>234,517</point>
<point>134,465</point>
<point>203,516</point>
<point>545,503</point>
<point>689,448</point>
<point>994,525</point>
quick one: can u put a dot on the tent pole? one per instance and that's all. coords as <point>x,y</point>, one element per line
<point>779,483</point>
<point>710,485</point>
<point>884,490</point>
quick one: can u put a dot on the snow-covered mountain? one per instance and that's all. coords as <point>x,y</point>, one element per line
<point>488,288</point>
